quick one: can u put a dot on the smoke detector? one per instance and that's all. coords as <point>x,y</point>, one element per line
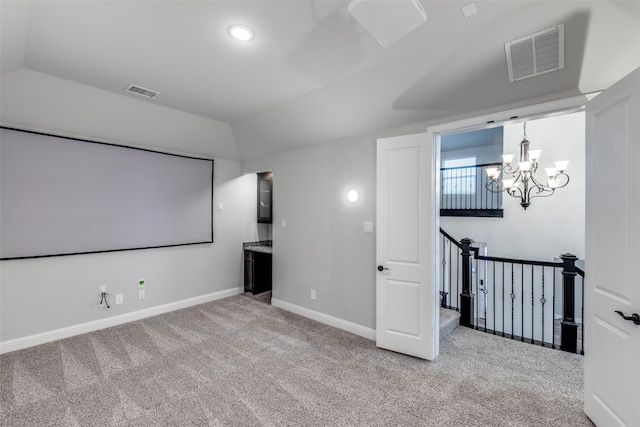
<point>536,54</point>
<point>139,90</point>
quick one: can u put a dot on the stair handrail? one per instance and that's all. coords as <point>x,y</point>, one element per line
<point>569,271</point>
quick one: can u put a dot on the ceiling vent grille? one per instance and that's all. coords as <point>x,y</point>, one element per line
<point>139,90</point>
<point>536,54</point>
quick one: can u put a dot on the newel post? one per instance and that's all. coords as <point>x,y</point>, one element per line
<point>466,297</point>
<point>568,327</point>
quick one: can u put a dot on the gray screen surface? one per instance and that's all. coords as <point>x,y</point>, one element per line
<point>65,196</point>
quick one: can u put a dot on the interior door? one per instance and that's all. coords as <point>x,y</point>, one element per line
<point>406,306</point>
<point>612,344</point>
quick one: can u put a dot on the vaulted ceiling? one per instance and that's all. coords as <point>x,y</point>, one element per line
<point>313,73</point>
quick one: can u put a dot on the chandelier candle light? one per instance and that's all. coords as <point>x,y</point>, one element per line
<point>519,181</point>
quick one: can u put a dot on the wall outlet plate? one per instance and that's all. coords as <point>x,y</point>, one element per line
<point>119,298</point>
<point>141,294</point>
<point>313,294</point>
<point>103,289</point>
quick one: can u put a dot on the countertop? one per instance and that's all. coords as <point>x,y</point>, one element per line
<point>264,246</point>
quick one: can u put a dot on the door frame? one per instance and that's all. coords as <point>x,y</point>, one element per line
<point>486,121</point>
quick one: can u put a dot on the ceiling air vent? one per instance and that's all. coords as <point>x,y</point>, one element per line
<point>536,54</point>
<point>139,90</point>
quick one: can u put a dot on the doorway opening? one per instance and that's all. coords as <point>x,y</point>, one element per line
<point>550,227</point>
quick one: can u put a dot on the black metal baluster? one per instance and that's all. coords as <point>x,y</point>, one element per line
<point>484,298</point>
<point>513,297</point>
<point>468,188</point>
<point>503,328</point>
<point>482,185</point>
<point>450,275</point>
<point>458,280</point>
<point>443,292</point>
<point>477,316</point>
<point>522,303</point>
<point>542,301</point>
<point>553,311</point>
<point>532,308</point>
<point>476,184</point>
<point>494,298</point>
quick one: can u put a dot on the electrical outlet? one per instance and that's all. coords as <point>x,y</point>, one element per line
<point>103,289</point>
<point>141,283</point>
<point>141,294</point>
<point>313,294</point>
<point>119,298</point>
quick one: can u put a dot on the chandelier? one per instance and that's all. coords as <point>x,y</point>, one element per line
<point>519,181</point>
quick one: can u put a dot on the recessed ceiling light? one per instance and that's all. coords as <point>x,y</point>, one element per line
<point>241,33</point>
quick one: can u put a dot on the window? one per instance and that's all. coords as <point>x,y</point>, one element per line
<point>459,176</point>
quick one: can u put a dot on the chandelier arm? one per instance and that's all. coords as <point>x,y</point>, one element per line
<point>508,169</point>
<point>489,186</point>
<point>562,174</point>
<point>515,192</point>
<point>541,187</point>
<point>546,193</point>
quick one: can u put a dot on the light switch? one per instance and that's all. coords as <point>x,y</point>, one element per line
<point>220,207</point>
<point>368,227</point>
<point>283,224</point>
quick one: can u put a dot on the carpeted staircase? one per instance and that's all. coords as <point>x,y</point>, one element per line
<point>449,320</point>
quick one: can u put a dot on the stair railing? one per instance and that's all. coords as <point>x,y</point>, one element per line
<point>463,192</point>
<point>531,301</point>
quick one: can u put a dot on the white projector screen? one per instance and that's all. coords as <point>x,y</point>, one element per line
<point>63,196</point>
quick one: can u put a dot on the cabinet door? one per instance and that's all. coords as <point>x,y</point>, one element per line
<point>265,197</point>
<point>248,271</point>
<point>261,272</point>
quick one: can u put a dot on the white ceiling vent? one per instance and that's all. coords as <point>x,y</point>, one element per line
<point>139,90</point>
<point>536,54</point>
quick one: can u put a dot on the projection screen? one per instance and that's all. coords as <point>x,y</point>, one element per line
<point>63,196</point>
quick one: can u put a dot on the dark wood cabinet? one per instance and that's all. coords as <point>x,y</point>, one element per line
<point>265,197</point>
<point>257,272</point>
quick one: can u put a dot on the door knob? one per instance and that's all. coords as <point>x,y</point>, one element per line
<point>381,268</point>
<point>635,317</point>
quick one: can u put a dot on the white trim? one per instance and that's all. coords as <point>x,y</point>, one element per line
<point>345,325</point>
<point>83,328</point>
<point>496,119</point>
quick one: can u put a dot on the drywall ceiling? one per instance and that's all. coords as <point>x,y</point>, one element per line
<point>312,73</point>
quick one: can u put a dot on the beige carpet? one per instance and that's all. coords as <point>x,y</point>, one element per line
<point>241,362</point>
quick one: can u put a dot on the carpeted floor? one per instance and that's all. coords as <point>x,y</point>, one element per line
<point>241,362</point>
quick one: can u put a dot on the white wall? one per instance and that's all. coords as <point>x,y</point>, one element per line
<point>51,104</point>
<point>45,294</point>
<point>550,226</point>
<point>323,246</point>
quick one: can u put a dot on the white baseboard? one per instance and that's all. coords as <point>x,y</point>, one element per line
<point>345,325</point>
<point>82,328</point>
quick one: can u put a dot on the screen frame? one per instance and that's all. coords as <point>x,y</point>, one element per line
<point>124,147</point>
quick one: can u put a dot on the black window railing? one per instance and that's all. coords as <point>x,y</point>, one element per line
<point>532,301</point>
<point>463,192</point>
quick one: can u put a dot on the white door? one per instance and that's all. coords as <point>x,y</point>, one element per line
<point>612,344</point>
<point>406,305</point>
